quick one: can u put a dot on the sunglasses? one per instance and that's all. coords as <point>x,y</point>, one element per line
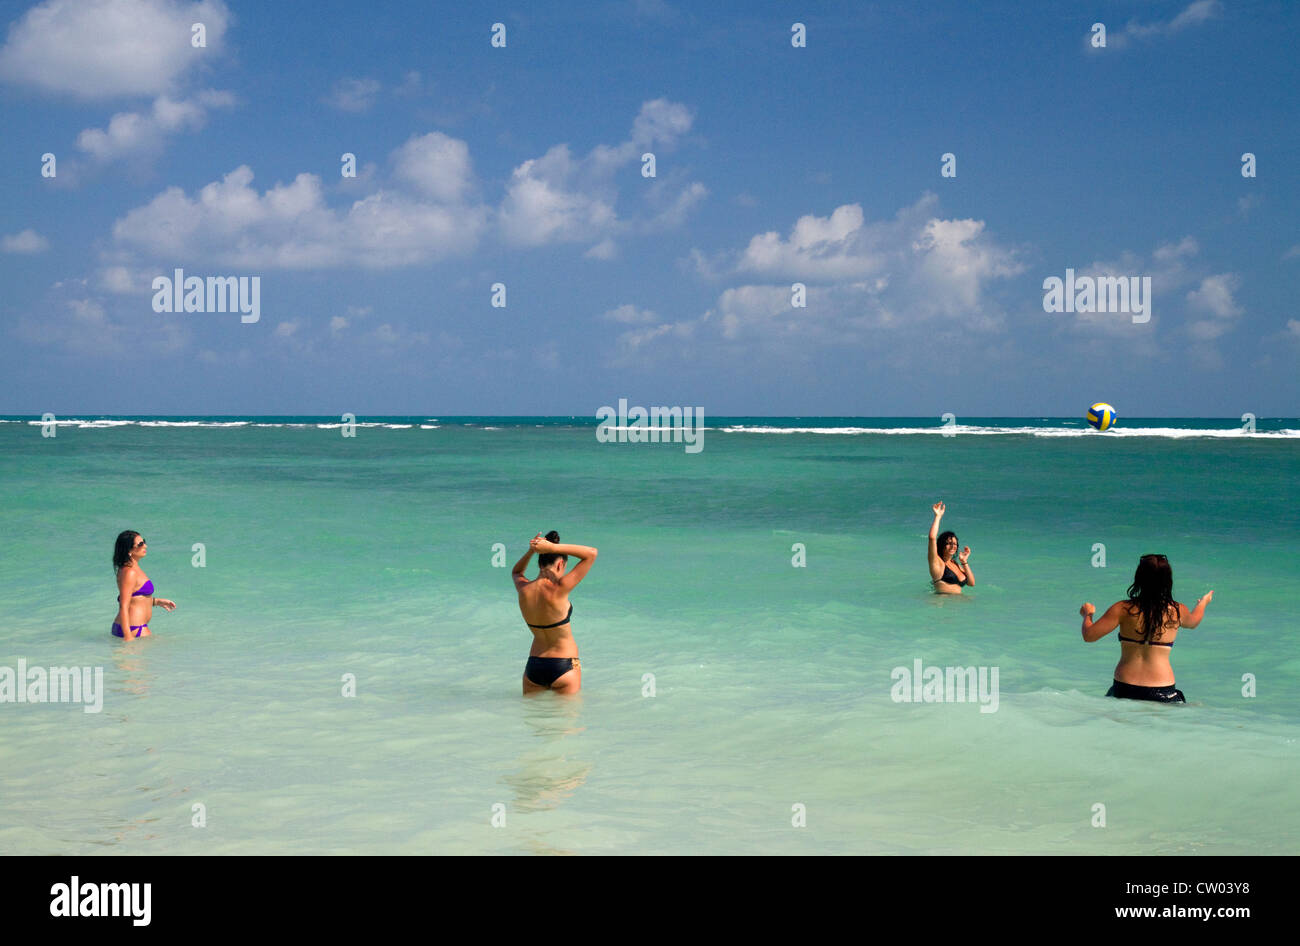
<point>138,544</point>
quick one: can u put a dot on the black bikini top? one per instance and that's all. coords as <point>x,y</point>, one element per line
<point>952,581</point>
<point>542,627</point>
<point>1129,640</point>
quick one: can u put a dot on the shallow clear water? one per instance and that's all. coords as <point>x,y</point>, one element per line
<point>373,556</point>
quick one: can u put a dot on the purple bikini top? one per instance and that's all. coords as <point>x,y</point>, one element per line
<point>145,589</point>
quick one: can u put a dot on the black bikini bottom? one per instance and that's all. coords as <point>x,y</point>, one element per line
<point>546,670</point>
<point>1128,691</point>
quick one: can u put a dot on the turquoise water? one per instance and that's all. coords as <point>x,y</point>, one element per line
<point>373,555</point>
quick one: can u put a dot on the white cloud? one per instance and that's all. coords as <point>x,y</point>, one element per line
<point>289,226</point>
<point>936,265</point>
<point>388,337</point>
<point>834,247</point>
<point>660,123</point>
<point>676,209</point>
<point>953,263</point>
<point>558,198</point>
<point>637,338</point>
<point>642,327</point>
<point>436,165</point>
<point>28,241</point>
<point>628,314</point>
<point>81,325</point>
<point>1195,14</point>
<point>1214,298</point>
<point>130,133</point>
<point>541,206</point>
<point>353,95</point>
<point>120,280</point>
<point>766,308</point>
<point>1172,251</point>
<point>1210,310</point>
<point>605,249</point>
<point>900,279</point>
<point>108,48</point>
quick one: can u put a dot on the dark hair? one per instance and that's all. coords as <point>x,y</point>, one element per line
<point>1152,593</point>
<point>545,558</point>
<point>123,547</point>
<point>940,542</point>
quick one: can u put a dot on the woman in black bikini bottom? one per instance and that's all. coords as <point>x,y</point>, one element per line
<point>1149,614</point>
<point>553,662</point>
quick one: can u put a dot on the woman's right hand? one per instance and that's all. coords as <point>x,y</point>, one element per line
<point>938,509</point>
<point>1206,599</point>
<point>1087,610</point>
<point>538,544</point>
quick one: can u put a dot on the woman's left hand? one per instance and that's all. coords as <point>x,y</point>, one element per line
<point>165,604</point>
<point>965,554</point>
<point>538,544</point>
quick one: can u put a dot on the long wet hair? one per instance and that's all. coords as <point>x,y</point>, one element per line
<point>123,548</point>
<point>942,541</point>
<point>545,558</point>
<point>1152,594</point>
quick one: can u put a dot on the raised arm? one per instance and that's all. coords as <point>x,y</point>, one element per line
<point>1192,618</point>
<point>936,563</point>
<point>585,554</point>
<point>1096,630</point>
<point>517,573</point>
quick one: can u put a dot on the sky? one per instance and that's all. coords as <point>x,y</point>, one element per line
<point>500,156</point>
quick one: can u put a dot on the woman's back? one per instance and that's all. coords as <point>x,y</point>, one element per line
<point>547,611</point>
<point>1143,660</point>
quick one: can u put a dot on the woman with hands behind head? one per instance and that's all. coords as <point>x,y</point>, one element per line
<point>544,602</point>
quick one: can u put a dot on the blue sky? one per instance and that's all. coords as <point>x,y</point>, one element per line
<point>775,165</point>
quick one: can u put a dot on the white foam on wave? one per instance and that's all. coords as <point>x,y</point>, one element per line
<point>1175,433</point>
<point>958,429</point>
<point>191,423</point>
<point>336,426</point>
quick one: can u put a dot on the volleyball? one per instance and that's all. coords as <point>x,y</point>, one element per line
<point>1101,416</point>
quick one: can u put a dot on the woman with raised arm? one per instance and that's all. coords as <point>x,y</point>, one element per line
<point>135,600</point>
<point>544,602</point>
<point>947,577</point>
<point>1150,617</point>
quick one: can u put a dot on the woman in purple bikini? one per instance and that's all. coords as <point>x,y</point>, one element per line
<point>134,589</point>
<point>544,602</point>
